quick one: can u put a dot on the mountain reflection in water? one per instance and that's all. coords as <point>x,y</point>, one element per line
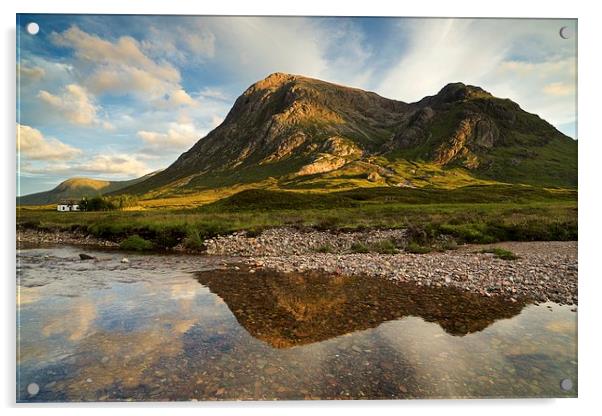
<point>159,328</point>
<point>292,309</point>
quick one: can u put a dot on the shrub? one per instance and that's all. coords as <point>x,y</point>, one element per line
<point>501,253</point>
<point>360,248</point>
<point>470,233</point>
<point>447,244</point>
<point>417,234</point>
<point>417,249</point>
<point>136,243</point>
<point>98,203</point>
<point>384,247</point>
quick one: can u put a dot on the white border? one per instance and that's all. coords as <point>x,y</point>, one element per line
<point>590,154</point>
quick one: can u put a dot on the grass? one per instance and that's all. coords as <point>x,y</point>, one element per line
<point>193,240</point>
<point>485,214</point>
<point>416,248</point>
<point>501,253</point>
<point>326,248</point>
<point>263,199</point>
<point>381,247</point>
<point>384,247</point>
<point>360,248</point>
<point>136,243</point>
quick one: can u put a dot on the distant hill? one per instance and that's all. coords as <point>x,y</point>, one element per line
<point>77,188</point>
<point>301,133</point>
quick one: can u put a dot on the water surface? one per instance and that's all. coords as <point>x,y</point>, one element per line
<point>183,328</point>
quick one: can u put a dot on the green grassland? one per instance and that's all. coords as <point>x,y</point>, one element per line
<point>473,214</point>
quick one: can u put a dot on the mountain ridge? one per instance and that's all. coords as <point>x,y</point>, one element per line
<point>291,129</point>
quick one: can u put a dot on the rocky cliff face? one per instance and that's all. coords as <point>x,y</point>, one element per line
<point>286,126</point>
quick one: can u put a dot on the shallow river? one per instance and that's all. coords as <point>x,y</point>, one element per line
<point>185,328</point>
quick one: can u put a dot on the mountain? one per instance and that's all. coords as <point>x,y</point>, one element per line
<point>297,132</point>
<point>77,188</point>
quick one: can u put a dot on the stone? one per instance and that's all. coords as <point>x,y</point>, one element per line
<point>374,177</point>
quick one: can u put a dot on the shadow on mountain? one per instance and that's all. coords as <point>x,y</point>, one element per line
<point>286,310</point>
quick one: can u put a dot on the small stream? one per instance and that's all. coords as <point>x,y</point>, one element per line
<point>176,327</point>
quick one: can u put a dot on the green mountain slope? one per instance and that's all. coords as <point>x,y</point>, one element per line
<point>298,132</point>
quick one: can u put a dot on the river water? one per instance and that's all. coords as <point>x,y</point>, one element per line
<point>174,327</point>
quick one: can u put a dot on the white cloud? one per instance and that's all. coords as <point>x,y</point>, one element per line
<point>107,125</point>
<point>546,88</point>
<point>32,144</point>
<point>75,104</point>
<point>216,121</point>
<point>199,42</point>
<point>185,41</point>
<point>177,136</point>
<point>46,73</point>
<point>558,88</point>
<point>125,51</point>
<point>33,169</point>
<point>180,97</point>
<point>212,92</point>
<point>30,73</point>
<point>114,164</point>
<point>122,67</point>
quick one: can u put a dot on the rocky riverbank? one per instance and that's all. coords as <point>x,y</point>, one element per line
<point>289,241</point>
<point>29,237</point>
<point>544,271</point>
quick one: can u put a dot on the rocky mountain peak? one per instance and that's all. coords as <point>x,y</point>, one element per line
<point>455,92</point>
<point>272,82</point>
<point>291,128</point>
<point>458,91</point>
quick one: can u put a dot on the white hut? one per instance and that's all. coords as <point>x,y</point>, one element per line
<point>66,206</point>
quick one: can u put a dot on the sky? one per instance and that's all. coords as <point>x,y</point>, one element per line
<point>115,97</point>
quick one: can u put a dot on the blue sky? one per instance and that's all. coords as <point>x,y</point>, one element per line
<point>115,97</point>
